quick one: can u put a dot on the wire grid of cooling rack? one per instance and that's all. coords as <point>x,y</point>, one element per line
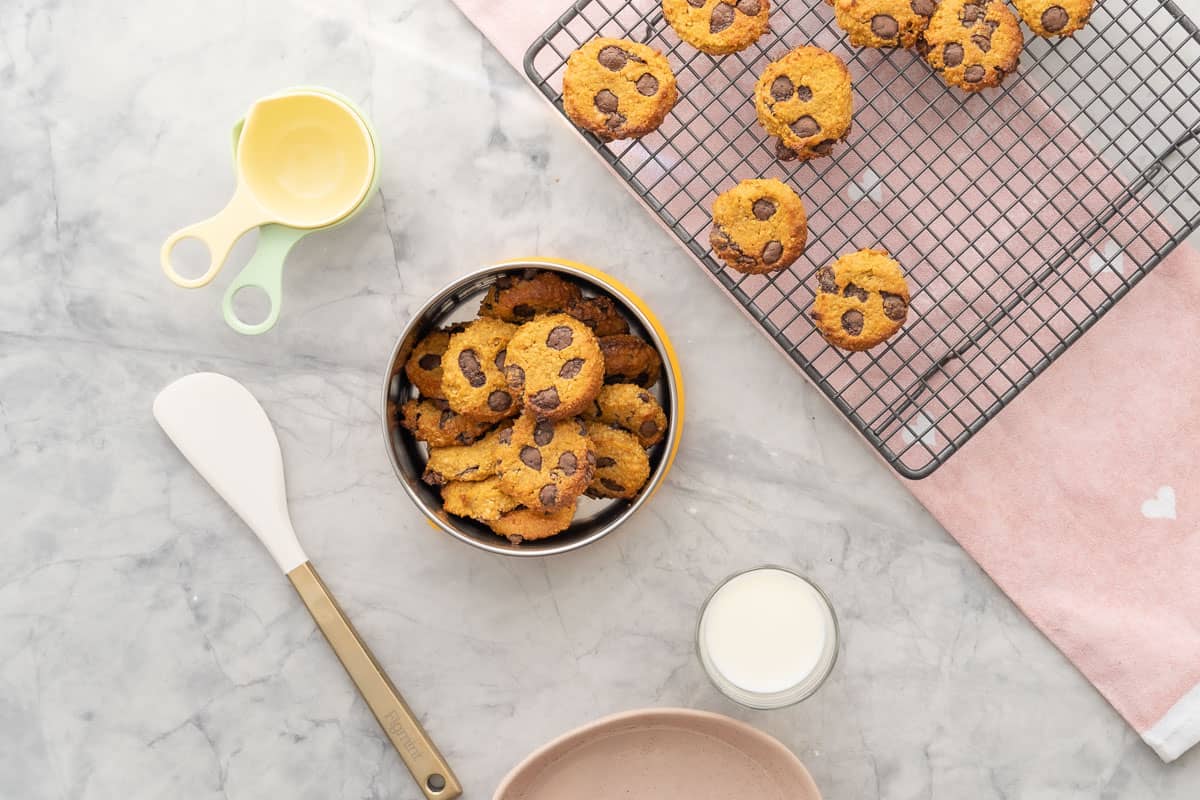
<point>1020,214</point>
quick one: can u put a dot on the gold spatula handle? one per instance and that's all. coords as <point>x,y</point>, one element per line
<point>428,768</point>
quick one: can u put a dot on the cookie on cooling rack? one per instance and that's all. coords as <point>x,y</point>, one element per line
<point>883,23</point>
<point>618,89</point>
<point>804,99</point>
<point>717,26</point>
<point>862,299</point>
<point>758,226</point>
<point>1052,18</point>
<point>974,44</point>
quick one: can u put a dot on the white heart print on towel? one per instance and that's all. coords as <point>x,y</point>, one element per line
<point>920,427</point>
<point>1161,506</point>
<point>867,184</point>
<point>1113,259</point>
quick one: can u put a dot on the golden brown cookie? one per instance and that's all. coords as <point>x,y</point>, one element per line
<point>433,422</point>
<point>804,99</point>
<point>527,524</point>
<point>480,500</point>
<point>883,23</point>
<point>472,462</point>
<point>717,26</point>
<point>622,466</point>
<point>618,89</point>
<point>974,44</point>
<point>862,299</point>
<point>600,314</point>
<point>1052,18</point>
<point>555,363</point>
<point>473,371</point>
<point>424,366</point>
<point>628,359</point>
<point>758,226</point>
<point>543,464</point>
<point>632,408</point>
<point>520,297</point>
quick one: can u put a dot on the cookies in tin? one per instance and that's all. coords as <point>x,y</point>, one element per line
<point>555,365</point>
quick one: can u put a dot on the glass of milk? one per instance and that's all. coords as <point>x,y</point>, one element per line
<point>767,637</point>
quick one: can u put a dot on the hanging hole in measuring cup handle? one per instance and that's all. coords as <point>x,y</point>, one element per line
<point>250,309</point>
<point>188,260</point>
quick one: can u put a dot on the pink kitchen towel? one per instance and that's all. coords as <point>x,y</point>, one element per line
<point>1080,498</point>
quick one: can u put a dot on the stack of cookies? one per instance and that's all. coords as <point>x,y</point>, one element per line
<point>539,401</point>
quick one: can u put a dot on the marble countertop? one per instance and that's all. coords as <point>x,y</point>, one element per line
<point>148,646</point>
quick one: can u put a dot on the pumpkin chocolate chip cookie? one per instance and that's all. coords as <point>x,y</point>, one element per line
<point>481,500</point>
<point>545,465</point>
<point>472,462</point>
<point>555,363</point>
<point>862,299</point>
<point>622,466</point>
<point>433,422</point>
<point>472,372</point>
<point>1052,18</point>
<point>618,89</point>
<point>424,366</point>
<point>632,408</point>
<point>717,26</point>
<point>758,226</point>
<point>974,44</point>
<point>519,298</point>
<point>804,99</point>
<point>883,23</point>
<point>600,314</point>
<point>627,359</point>
<point>528,524</point>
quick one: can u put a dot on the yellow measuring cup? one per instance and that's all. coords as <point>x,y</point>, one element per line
<point>305,160</point>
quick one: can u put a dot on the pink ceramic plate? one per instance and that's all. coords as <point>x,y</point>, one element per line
<point>661,752</point>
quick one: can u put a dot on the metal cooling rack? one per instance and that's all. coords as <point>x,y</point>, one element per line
<point>1021,215</point>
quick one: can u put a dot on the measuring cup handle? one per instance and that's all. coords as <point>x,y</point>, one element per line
<point>218,233</point>
<point>264,271</point>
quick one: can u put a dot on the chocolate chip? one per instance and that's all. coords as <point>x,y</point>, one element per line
<point>970,13</point>
<point>505,282</point>
<point>467,471</point>
<point>582,428</point>
<point>856,292</point>
<point>571,368</point>
<point>505,436</point>
<point>722,18</point>
<point>543,433</point>
<point>531,457</point>
<point>499,360</point>
<point>894,306</point>
<point>764,209</point>
<point>772,250</point>
<point>924,8</point>
<point>984,43</point>
<point>645,398</point>
<point>612,57</point>
<point>648,429</point>
<point>515,377</point>
<point>805,126</point>
<point>605,461</point>
<point>523,311</point>
<point>783,152</point>
<point>826,280</point>
<point>429,361</point>
<point>462,438</point>
<point>974,73</point>
<point>468,362</point>
<point>559,338</point>
<point>952,54</point>
<point>612,486</point>
<point>499,400</point>
<point>749,7</point>
<point>568,463</point>
<point>823,148</point>
<point>885,26</point>
<point>804,93</point>
<point>606,101</point>
<point>440,404</point>
<point>1055,18</point>
<point>852,322</point>
<point>697,3</point>
<point>546,399</point>
<point>548,496</point>
<point>446,417</point>
<point>614,121</point>
<point>782,88</point>
<point>434,478</point>
<point>647,85</point>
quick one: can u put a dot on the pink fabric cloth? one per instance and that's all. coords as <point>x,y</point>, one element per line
<point>1078,499</point>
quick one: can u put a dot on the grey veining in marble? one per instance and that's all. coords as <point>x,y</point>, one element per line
<point>149,648</point>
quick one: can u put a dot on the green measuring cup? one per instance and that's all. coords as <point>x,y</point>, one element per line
<point>264,270</point>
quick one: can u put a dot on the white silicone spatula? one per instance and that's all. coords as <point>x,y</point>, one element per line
<point>222,430</point>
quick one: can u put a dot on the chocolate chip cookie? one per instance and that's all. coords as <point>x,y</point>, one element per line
<point>472,462</point>
<point>717,26</point>
<point>883,23</point>
<point>628,359</point>
<point>600,314</point>
<point>622,466</point>
<point>758,226</point>
<point>544,464</point>
<point>433,422</point>
<point>1052,18</point>
<point>804,99</point>
<point>473,371</point>
<point>974,44</point>
<point>519,298</point>
<point>479,500</point>
<point>424,366</point>
<point>632,408</point>
<point>618,89</point>
<point>862,299</point>
<point>555,363</point>
<point>527,524</point>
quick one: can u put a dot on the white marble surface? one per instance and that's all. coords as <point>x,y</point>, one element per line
<point>148,647</point>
